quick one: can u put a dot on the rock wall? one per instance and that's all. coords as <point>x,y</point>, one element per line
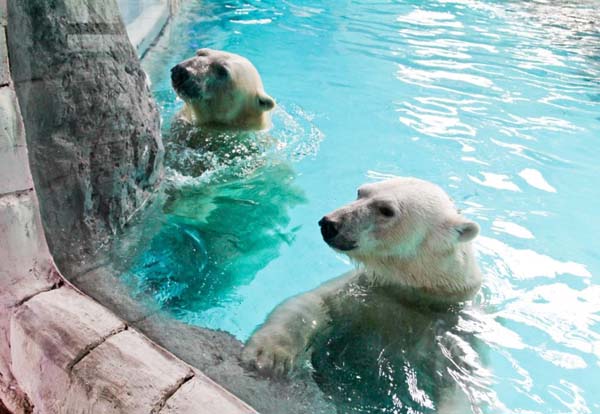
<point>60,351</point>
<point>92,126</point>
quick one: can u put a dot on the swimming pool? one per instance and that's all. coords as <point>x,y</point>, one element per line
<point>498,102</point>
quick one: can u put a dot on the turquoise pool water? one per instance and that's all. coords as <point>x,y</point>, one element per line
<point>498,102</point>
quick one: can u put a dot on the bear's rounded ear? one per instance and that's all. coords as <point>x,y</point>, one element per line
<point>202,52</point>
<point>465,230</point>
<point>265,102</point>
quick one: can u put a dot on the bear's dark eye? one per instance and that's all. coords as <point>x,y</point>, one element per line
<point>221,71</point>
<point>386,211</point>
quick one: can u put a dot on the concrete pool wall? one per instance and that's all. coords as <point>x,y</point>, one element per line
<point>145,19</point>
<point>60,350</point>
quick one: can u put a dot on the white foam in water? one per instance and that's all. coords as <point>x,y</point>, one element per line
<point>498,181</point>
<point>428,18</point>
<point>292,138</point>
<point>535,179</point>
<point>512,229</point>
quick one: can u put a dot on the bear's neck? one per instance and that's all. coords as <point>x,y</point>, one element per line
<point>444,278</point>
<point>247,120</point>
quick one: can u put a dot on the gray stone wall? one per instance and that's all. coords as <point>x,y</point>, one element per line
<point>92,126</point>
<point>60,351</point>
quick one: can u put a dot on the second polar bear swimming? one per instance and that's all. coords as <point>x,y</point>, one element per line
<point>416,270</point>
<point>221,90</point>
<point>225,109</point>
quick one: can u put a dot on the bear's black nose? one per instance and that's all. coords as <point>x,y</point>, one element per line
<point>179,74</point>
<point>329,228</point>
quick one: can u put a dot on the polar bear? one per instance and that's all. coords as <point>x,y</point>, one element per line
<point>225,112</point>
<point>416,268</point>
<point>221,90</point>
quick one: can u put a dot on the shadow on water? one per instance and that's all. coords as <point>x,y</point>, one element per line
<point>222,217</point>
<point>208,238</point>
<point>407,361</point>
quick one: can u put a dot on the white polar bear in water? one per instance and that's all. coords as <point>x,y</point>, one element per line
<point>221,90</point>
<point>225,109</point>
<point>416,268</point>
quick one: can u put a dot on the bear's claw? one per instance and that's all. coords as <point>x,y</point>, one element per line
<point>269,356</point>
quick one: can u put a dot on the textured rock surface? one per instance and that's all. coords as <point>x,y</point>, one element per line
<point>13,152</point>
<point>125,361</point>
<point>49,334</point>
<point>104,285</point>
<point>27,268</point>
<point>215,353</point>
<point>71,355</point>
<point>61,352</point>
<point>218,355</point>
<point>3,12</point>
<point>202,392</point>
<point>4,73</point>
<point>92,127</point>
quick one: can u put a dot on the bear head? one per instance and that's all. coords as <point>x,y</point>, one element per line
<point>222,90</point>
<point>408,232</point>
